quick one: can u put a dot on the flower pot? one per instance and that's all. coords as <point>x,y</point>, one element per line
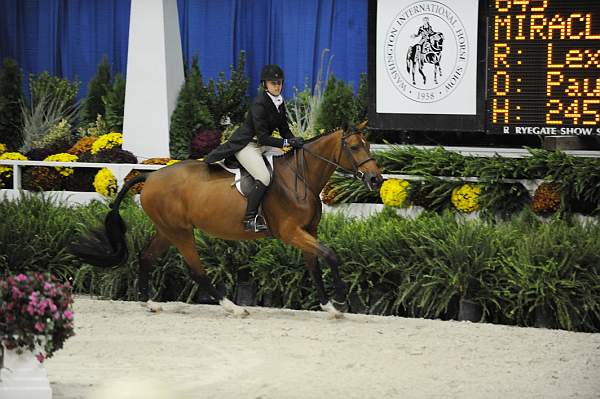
<point>23,376</point>
<point>469,310</point>
<point>544,317</point>
<point>357,305</point>
<point>377,302</point>
<point>272,300</point>
<point>246,294</point>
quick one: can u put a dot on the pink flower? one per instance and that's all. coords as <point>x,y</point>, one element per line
<point>16,293</point>
<point>33,298</point>
<point>53,307</point>
<point>21,277</point>
<point>31,309</point>
<point>40,326</point>
<point>42,306</point>
<point>40,357</point>
<point>68,314</point>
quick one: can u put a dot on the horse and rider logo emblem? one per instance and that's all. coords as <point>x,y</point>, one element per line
<point>426,51</point>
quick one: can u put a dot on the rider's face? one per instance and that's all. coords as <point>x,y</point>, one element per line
<point>274,86</point>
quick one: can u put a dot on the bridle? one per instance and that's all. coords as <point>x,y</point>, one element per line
<point>356,173</point>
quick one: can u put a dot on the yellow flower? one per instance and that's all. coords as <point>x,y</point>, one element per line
<point>6,170</point>
<point>107,141</point>
<point>172,161</point>
<point>2,148</point>
<point>62,157</point>
<point>393,192</point>
<point>105,182</point>
<point>464,198</point>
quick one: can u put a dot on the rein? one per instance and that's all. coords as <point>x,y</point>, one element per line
<point>356,173</point>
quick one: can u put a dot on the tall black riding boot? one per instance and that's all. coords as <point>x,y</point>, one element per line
<point>251,220</point>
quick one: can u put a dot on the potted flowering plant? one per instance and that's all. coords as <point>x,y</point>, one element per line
<point>35,314</point>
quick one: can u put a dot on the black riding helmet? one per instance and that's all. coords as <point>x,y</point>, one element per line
<point>271,72</point>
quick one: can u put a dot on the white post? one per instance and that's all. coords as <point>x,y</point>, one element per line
<point>23,377</point>
<point>154,77</point>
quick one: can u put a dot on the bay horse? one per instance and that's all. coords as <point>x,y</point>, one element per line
<point>191,194</point>
<point>430,53</point>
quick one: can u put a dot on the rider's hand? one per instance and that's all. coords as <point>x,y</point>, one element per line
<point>296,142</point>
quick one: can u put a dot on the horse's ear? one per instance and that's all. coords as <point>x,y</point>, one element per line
<point>345,126</point>
<point>362,125</point>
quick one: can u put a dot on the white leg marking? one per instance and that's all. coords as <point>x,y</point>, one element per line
<point>232,308</point>
<point>152,306</point>
<point>333,312</point>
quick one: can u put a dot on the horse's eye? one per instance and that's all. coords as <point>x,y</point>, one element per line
<point>354,147</point>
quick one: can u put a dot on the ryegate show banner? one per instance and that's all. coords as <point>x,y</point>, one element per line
<point>426,55</point>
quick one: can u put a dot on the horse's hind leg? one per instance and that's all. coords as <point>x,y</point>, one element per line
<point>154,249</point>
<point>184,241</point>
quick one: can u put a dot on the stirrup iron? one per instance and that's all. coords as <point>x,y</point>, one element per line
<point>256,225</point>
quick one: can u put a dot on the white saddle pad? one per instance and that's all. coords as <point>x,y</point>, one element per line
<point>268,153</point>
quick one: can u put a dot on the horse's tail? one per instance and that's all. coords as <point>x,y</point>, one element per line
<point>106,247</point>
<point>409,56</point>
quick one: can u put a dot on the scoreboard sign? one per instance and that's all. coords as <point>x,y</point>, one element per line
<point>544,67</point>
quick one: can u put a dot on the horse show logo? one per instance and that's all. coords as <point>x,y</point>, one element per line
<point>426,51</point>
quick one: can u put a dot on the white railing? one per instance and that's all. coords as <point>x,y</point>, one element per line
<point>119,170</point>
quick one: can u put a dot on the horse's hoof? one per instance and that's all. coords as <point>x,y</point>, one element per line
<point>332,311</point>
<point>233,309</point>
<point>152,306</point>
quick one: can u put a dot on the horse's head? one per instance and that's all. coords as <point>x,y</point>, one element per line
<point>437,40</point>
<point>356,157</point>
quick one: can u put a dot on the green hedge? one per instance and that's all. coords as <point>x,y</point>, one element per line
<point>577,178</point>
<point>417,268</point>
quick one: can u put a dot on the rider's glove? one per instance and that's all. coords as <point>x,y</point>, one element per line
<point>296,142</point>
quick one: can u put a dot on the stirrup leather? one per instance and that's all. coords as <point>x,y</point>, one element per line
<point>255,225</point>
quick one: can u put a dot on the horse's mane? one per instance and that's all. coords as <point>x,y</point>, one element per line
<point>293,150</point>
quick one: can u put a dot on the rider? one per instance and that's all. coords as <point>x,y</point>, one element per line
<point>266,114</point>
<point>425,31</point>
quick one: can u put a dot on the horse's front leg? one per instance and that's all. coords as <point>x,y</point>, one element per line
<point>310,246</point>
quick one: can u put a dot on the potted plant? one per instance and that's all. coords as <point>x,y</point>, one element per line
<point>35,321</point>
<point>454,261</point>
<point>550,278</point>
